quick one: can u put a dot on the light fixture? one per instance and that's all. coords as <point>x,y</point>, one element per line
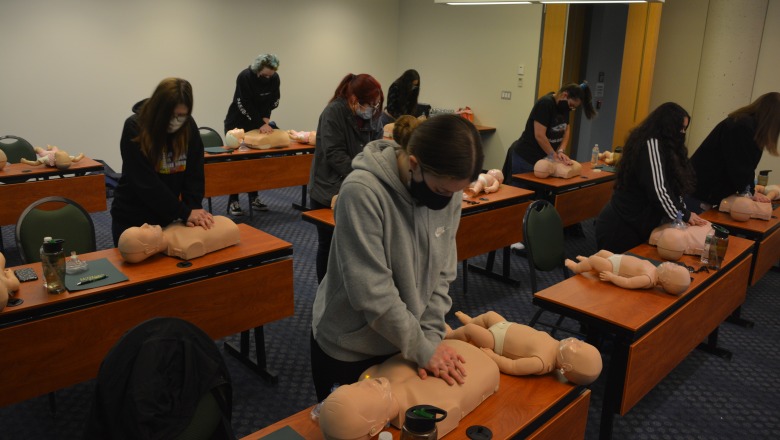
<point>513,2</point>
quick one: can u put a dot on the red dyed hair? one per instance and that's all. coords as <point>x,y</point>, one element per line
<point>362,88</point>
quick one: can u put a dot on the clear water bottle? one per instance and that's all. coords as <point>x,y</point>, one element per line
<point>53,262</point>
<point>594,155</point>
<point>715,246</point>
<point>420,422</point>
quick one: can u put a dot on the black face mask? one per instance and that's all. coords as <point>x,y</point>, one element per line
<point>264,80</point>
<point>563,106</point>
<point>423,194</point>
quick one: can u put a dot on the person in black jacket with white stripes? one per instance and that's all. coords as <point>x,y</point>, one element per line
<point>653,175</point>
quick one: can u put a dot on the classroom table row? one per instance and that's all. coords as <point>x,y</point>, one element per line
<point>648,326</point>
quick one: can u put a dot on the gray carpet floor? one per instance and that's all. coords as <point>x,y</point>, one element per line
<point>705,397</point>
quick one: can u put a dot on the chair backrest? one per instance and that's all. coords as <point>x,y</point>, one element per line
<point>543,238</point>
<point>55,217</point>
<point>16,148</point>
<point>165,378</point>
<point>506,169</point>
<point>210,137</point>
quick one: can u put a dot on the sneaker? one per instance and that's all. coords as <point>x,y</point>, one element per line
<point>235,209</point>
<point>257,205</point>
<point>519,246</point>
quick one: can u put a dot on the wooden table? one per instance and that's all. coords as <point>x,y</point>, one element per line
<point>17,193</point>
<point>484,129</point>
<point>576,199</point>
<point>237,171</point>
<point>488,222</point>
<point>765,234</point>
<point>55,341</point>
<point>654,331</point>
<point>533,407</point>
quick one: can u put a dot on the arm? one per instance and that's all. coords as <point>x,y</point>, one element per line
<point>195,180</point>
<point>333,131</point>
<point>143,179</point>
<point>635,282</point>
<point>516,367</point>
<point>245,101</point>
<point>736,150</point>
<point>540,134</point>
<point>271,101</point>
<point>653,176</point>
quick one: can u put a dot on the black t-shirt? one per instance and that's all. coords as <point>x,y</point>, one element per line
<point>545,112</point>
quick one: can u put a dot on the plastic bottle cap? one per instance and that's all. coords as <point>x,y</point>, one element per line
<point>53,245</point>
<point>385,435</point>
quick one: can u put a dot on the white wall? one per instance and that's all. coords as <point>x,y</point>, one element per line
<point>467,55</point>
<point>72,69</point>
<point>715,56</point>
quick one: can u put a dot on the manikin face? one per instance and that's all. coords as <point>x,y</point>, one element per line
<point>358,411</point>
<point>579,361</point>
<point>137,243</point>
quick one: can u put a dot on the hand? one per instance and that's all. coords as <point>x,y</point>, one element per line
<point>761,198</point>
<point>695,220</point>
<point>562,157</point>
<point>446,364</point>
<point>606,276</point>
<point>200,217</point>
<point>265,128</point>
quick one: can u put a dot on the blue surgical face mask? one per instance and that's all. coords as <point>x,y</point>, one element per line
<point>365,112</point>
<point>425,195</point>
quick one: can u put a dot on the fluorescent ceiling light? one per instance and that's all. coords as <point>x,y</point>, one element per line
<point>513,2</point>
<point>492,2</point>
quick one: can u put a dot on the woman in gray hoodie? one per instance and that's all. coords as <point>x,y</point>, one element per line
<point>393,256</point>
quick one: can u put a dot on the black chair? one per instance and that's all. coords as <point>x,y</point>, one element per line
<point>55,217</point>
<point>165,378</point>
<point>16,149</point>
<point>543,239</point>
<point>210,137</point>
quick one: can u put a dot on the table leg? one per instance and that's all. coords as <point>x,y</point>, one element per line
<point>488,269</point>
<point>302,206</point>
<point>259,366</point>
<point>735,318</point>
<point>613,388</point>
<point>711,346</point>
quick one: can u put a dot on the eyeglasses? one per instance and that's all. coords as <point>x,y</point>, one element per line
<point>180,118</point>
<point>372,106</point>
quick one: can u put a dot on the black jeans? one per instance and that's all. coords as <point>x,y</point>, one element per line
<point>324,237</point>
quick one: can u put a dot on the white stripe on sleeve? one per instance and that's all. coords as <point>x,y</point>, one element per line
<point>657,169</point>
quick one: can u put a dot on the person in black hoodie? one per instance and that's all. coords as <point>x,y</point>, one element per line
<point>257,94</point>
<point>653,175</point>
<point>162,163</point>
<point>726,161</point>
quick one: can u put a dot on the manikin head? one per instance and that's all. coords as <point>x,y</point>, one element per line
<point>137,243</point>
<point>544,168</point>
<point>673,278</point>
<point>358,411</point>
<point>3,159</point>
<point>62,160</point>
<point>578,361</point>
<point>671,244</point>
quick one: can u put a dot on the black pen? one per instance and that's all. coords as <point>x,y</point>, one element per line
<point>90,279</point>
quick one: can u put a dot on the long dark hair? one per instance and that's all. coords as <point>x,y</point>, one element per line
<point>583,93</point>
<point>664,124</point>
<point>766,111</point>
<point>155,116</point>
<point>448,146</point>
<point>363,89</point>
<point>407,92</point>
